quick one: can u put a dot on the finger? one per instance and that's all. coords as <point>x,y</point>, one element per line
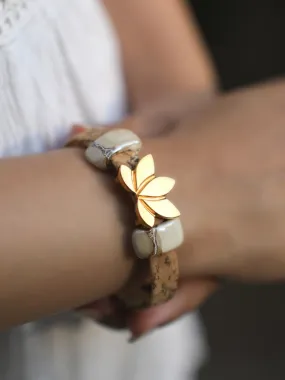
<point>97,310</point>
<point>108,311</point>
<point>188,297</point>
<point>133,123</point>
<point>161,117</point>
<point>164,116</point>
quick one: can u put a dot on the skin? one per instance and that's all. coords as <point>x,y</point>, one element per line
<point>162,50</point>
<point>235,162</point>
<point>164,57</point>
<point>51,238</point>
<point>234,220</point>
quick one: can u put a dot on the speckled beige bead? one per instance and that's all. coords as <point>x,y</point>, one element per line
<point>110,143</point>
<point>163,238</point>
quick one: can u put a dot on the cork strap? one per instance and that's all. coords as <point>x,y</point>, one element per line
<point>154,280</point>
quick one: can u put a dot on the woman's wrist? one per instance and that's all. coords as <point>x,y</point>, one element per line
<point>109,220</point>
<point>63,238</point>
<point>230,193</point>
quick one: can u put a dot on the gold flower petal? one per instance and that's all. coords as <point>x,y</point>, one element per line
<point>144,169</point>
<point>126,178</point>
<point>158,187</point>
<point>163,208</point>
<point>144,214</point>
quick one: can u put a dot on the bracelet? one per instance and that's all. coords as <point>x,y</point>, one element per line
<point>158,231</point>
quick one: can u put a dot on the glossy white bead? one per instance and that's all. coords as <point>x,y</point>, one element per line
<point>111,142</point>
<point>163,238</point>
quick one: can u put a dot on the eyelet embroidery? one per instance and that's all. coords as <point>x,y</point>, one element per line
<point>13,15</point>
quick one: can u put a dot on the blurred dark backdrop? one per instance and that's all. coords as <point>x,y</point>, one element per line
<point>246,38</point>
<point>245,325</point>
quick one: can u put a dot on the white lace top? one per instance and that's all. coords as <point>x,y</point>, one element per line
<point>54,56</point>
<point>60,64</point>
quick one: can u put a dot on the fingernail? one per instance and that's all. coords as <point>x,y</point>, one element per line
<point>165,324</point>
<point>76,129</point>
<point>135,337</point>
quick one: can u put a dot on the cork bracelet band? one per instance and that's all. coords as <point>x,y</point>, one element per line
<point>158,232</point>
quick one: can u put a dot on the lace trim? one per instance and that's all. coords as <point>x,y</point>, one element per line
<point>13,15</point>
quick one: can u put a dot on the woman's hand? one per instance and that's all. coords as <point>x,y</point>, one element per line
<point>229,161</point>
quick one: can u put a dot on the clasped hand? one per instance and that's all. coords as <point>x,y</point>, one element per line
<point>228,156</point>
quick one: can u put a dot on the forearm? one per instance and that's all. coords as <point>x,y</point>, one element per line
<point>57,251</point>
<point>62,235</point>
<point>63,225</point>
<point>163,51</point>
<point>229,165</point>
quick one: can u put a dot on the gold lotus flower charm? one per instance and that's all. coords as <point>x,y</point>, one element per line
<point>150,191</point>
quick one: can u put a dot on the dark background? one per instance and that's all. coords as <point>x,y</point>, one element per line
<point>245,325</point>
<point>246,38</point>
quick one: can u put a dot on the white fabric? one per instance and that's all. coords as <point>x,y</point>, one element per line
<point>59,64</point>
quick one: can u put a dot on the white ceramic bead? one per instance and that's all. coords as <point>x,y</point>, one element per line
<point>163,238</point>
<point>111,142</point>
